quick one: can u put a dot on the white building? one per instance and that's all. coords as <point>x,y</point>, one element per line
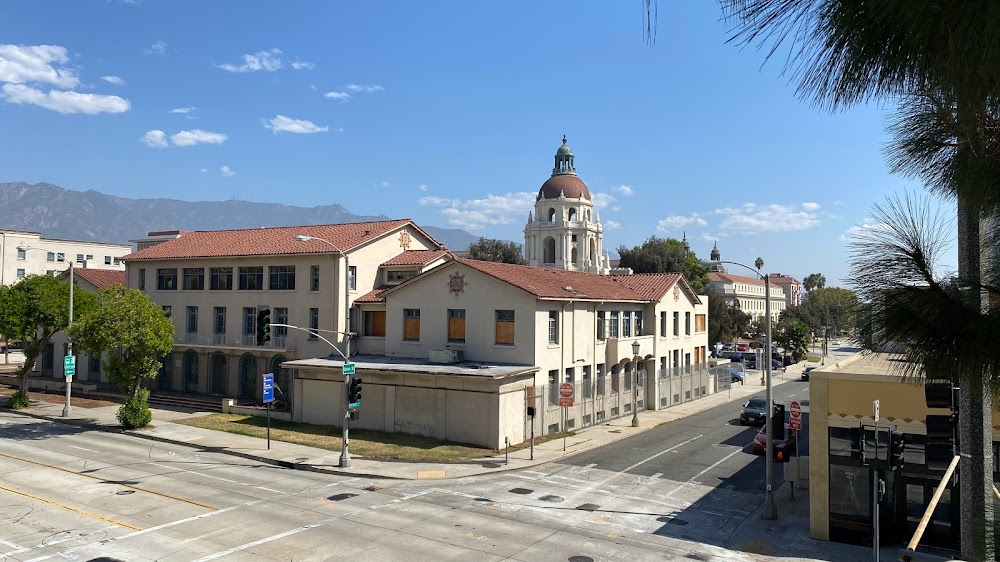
<point>51,256</point>
<point>791,286</point>
<point>747,294</point>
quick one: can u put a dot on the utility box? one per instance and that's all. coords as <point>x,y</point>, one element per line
<point>797,470</point>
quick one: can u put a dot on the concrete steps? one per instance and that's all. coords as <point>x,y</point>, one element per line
<point>189,401</point>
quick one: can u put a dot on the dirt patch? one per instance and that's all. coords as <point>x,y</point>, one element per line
<point>74,401</point>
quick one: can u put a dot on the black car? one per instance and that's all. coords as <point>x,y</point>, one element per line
<point>806,371</point>
<point>754,411</point>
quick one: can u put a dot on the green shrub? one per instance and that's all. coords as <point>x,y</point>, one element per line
<point>18,400</point>
<point>134,413</point>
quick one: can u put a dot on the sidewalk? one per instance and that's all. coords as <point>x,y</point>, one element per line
<point>301,457</point>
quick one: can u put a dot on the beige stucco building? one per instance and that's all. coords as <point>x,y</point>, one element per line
<point>747,294</point>
<point>50,256</point>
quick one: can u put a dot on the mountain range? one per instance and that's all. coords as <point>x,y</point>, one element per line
<point>58,212</point>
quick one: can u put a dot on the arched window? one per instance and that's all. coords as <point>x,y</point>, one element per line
<point>164,377</point>
<point>219,373</point>
<point>190,371</point>
<point>549,250</point>
<point>283,391</point>
<point>574,256</point>
<point>572,215</point>
<point>587,215</point>
<point>552,215</point>
<point>592,251</point>
<point>248,376</point>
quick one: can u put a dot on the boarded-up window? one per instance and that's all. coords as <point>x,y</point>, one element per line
<point>456,325</point>
<point>505,327</point>
<point>375,323</point>
<point>411,324</point>
<point>699,323</point>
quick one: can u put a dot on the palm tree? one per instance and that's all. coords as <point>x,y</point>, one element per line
<point>814,281</point>
<point>942,59</point>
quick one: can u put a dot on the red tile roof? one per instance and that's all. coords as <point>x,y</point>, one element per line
<point>100,278</point>
<point>271,241</point>
<point>782,277</point>
<point>374,296</point>
<point>654,286</point>
<point>729,278</point>
<point>546,282</point>
<point>417,257</point>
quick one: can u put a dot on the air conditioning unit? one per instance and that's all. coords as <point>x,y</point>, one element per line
<point>446,356</point>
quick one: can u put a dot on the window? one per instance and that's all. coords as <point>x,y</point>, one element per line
<point>352,277</point>
<point>398,276</point>
<point>60,256</point>
<point>504,329</point>
<point>638,322</point>
<point>677,323</point>
<point>456,325</point>
<point>142,279</point>
<point>22,254</point>
<point>220,320</point>
<point>249,321</point>
<point>411,324</point>
<point>90,257</point>
<point>613,327</point>
<point>282,277</point>
<point>192,319</point>
<point>588,390</point>
<point>699,323</point>
<point>20,273</point>
<point>280,317</point>
<point>94,364</point>
<point>79,258</point>
<point>687,323</point>
<point>50,256</point>
<point>313,277</point>
<point>51,272</point>
<point>118,261</point>
<point>663,324</point>
<point>251,278</point>
<point>166,279</point>
<point>375,323</point>
<point>554,386</point>
<point>627,324</point>
<point>167,310</point>
<point>107,260</point>
<point>600,325</point>
<point>220,278</point>
<point>553,326</point>
<point>602,379</point>
<point>313,321</point>
<point>194,278</point>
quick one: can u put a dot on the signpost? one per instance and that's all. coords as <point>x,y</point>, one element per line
<point>69,366</point>
<point>268,397</point>
<point>876,485</point>
<point>565,401</point>
<point>795,423</point>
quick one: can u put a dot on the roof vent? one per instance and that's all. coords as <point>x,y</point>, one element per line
<point>367,232</point>
<point>570,289</point>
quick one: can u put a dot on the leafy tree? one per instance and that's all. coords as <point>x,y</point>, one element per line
<point>134,333</point>
<point>831,306</point>
<point>491,249</point>
<point>664,255</point>
<point>758,328</point>
<point>725,322</point>
<point>814,281</point>
<point>33,310</point>
<point>793,337</point>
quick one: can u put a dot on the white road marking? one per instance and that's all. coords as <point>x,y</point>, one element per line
<point>8,544</point>
<point>82,448</point>
<point>51,543</point>
<point>198,473</point>
<point>271,538</point>
<point>644,461</point>
<point>694,479</point>
<point>268,489</point>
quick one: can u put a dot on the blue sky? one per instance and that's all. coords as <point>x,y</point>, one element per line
<point>447,113</point>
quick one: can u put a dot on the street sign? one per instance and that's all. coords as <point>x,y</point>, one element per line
<point>795,423</point>
<point>69,365</point>
<point>566,394</point>
<point>348,368</point>
<point>875,407</point>
<point>269,387</point>
<point>795,410</point>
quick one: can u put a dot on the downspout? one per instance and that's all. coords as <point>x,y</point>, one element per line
<point>593,407</point>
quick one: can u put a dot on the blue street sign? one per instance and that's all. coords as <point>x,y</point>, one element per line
<point>269,387</point>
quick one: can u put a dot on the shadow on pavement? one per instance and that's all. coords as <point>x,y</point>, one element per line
<point>36,431</point>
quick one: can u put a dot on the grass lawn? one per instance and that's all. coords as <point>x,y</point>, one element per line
<point>376,445</point>
<point>812,358</point>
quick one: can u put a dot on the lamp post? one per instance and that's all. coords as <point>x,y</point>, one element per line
<point>635,383</point>
<point>69,380</point>
<point>770,509</point>
<point>345,454</point>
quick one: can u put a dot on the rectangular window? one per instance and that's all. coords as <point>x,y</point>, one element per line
<point>192,319</point>
<point>588,390</point>
<point>107,260</point>
<point>553,326</point>
<point>601,335</point>
<point>79,258</point>
<point>677,323</point>
<point>699,323</point>
<point>613,327</point>
<point>398,276</point>
<point>280,317</point>
<point>20,273</point>
<point>313,321</point>
<point>313,277</point>
<point>282,277</point>
<point>118,261</point>
<point>602,380</point>
<point>60,256</point>
<point>375,323</point>
<point>456,325</point>
<point>554,386</point>
<point>166,279</point>
<point>249,321</point>
<point>504,329</point>
<point>22,254</point>
<point>638,322</point>
<point>90,257</point>
<point>50,256</point>
<point>627,324</point>
<point>220,278</point>
<point>220,320</point>
<point>94,365</point>
<point>411,324</point>
<point>142,279</point>
<point>251,278</point>
<point>194,278</point>
<point>687,323</point>
<point>663,324</point>
<point>167,311</point>
<point>352,277</point>
<point>51,272</point>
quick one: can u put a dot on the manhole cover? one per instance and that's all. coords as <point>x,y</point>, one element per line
<point>675,521</point>
<point>551,499</point>
<point>588,507</point>
<point>580,559</point>
<point>522,491</point>
<point>124,492</point>
<point>340,497</point>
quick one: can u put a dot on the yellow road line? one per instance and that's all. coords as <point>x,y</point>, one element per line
<point>98,478</point>
<point>73,509</point>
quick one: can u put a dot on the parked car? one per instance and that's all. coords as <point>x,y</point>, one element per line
<point>11,346</point>
<point>760,440</point>
<point>754,411</point>
<point>806,371</point>
<point>729,347</point>
<point>737,375</point>
<point>742,347</point>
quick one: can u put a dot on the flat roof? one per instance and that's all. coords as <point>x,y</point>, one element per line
<point>867,364</point>
<point>478,369</point>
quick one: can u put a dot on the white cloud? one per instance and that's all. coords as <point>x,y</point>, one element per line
<point>302,65</point>
<point>313,87</point>
<point>282,124</point>
<point>673,222</point>
<point>198,136</point>
<point>158,48</point>
<point>810,206</point>
<point>64,101</point>
<point>114,80</point>
<point>204,170</point>
<point>183,110</point>
<point>382,184</point>
<point>612,225</point>
<point>364,88</point>
<point>155,138</point>
<point>342,96</point>
<point>624,190</point>
<point>867,224</point>
<point>707,237</point>
<point>751,218</point>
<point>268,61</point>
<point>226,171</point>
<point>838,203</point>
<point>21,64</point>
<point>422,187</point>
<point>605,201</point>
<point>475,214</point>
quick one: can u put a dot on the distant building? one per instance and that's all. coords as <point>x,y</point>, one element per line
<point>51,256</point>
<point>747,294</point>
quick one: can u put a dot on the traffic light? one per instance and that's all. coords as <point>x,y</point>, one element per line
<point>897,444</point>
<point>354,392</point>
<point>939,449</point>
<point>781,453</point>
<point>858,444</point>
<point>263,325</point>
<point>778,422</point>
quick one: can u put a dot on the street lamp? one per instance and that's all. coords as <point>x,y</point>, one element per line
<point>69,379</point>
<point>345,454</point>
<point>635,383</point>
<point>770,509</point>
